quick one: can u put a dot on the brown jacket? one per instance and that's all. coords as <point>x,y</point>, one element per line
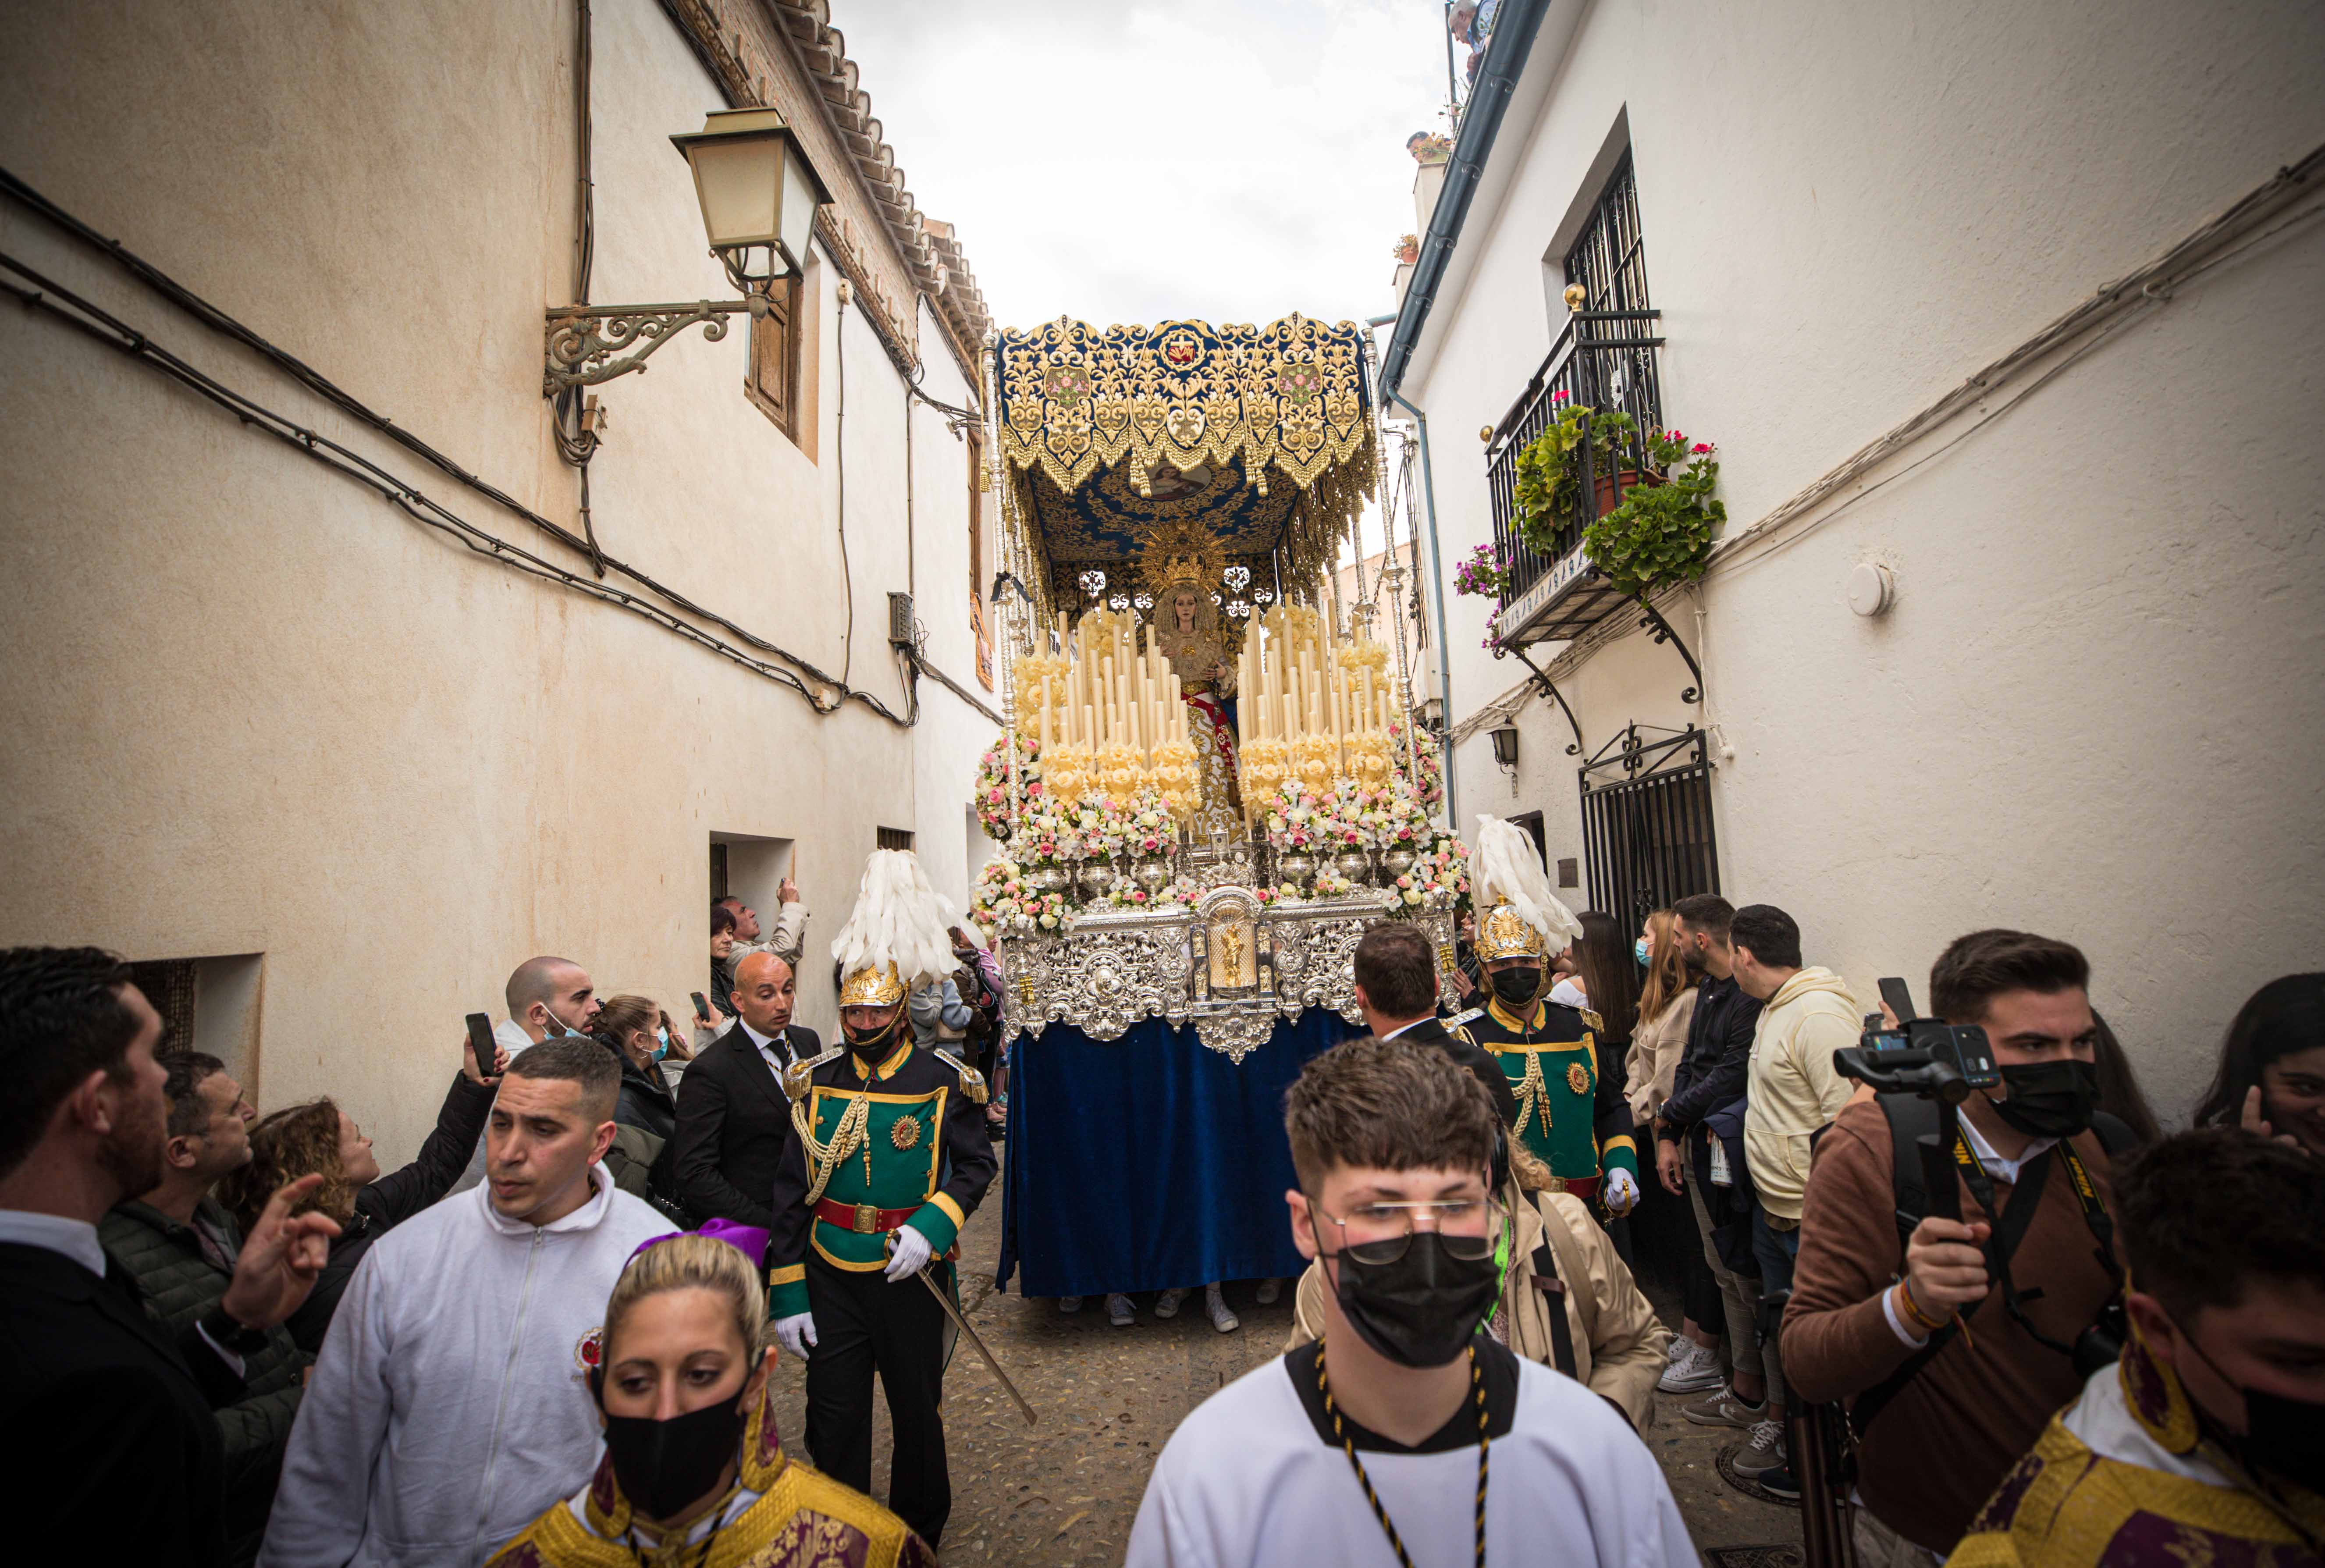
<point>1933,1455</point>
<point>1618,1343</point>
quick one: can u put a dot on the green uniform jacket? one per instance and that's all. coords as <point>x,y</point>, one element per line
<point>919,1143</point>
<point>1571,1114</point>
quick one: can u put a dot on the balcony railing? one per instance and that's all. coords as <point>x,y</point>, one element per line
<point>1603,361</point>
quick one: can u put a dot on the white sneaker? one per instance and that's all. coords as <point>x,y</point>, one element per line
<point>1070,1304</point>
<point>1269,1290</point>
<point>1166,1302</point>
<point>1694,1370</point>
<point>1215,1302</point>
<point>1119,1312</point>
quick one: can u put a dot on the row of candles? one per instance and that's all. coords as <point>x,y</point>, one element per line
<point>1109,692</point>
<point>1296,685</point>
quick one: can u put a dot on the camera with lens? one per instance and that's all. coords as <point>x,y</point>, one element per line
<point>1923,1056</point>
<point>2101,1344</point>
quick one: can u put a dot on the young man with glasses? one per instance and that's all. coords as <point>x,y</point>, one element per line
<point>1404,1436</point>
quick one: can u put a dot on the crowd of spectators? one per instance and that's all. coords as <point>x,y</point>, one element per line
<point>236,1331</point>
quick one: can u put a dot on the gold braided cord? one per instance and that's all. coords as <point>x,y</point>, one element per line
<point>849,1136</point>
<point>1533,1094</point>
<point>1485,1441</point>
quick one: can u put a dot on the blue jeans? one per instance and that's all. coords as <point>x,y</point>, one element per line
<point>1775,1251</point>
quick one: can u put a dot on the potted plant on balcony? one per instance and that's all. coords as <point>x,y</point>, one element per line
<point>1662,533</point>
<point>1549,485</point>
<point>1408,250</point>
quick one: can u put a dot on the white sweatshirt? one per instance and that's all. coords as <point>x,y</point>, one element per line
<point>451,1404</point>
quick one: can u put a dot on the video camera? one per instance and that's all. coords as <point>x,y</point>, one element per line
<point>1937,1061</point>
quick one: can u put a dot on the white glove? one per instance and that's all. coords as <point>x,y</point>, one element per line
<point>1622,1190</point>
<point>796,1332</point>
<point>911,1256</point>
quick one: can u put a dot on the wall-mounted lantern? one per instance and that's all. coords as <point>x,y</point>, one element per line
<point>759,196</point>
<point>1506,753</point>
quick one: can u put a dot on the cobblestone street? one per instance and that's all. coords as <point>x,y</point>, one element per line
<point>1064,1492</point>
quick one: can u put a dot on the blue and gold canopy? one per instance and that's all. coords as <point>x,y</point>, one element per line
<point>1259,438</point>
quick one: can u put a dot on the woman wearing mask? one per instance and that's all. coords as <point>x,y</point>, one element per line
<point>636,1030</point>
<point>2272,1072</point>
<point>318,1139</point>
<point>1665,1008</point>
<point>693,1464</point>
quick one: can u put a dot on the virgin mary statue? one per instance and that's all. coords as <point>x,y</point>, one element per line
<point>1188,633</point>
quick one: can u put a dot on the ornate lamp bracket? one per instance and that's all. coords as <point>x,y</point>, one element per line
<point>586,343</point>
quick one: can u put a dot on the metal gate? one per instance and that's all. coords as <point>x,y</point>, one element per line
<point>1646,821</point>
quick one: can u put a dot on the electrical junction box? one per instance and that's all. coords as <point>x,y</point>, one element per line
<point>900,619</point>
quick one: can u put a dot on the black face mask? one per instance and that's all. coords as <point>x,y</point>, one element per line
<point>2049,1100</point>
<point>1421,1309</point>
<point>1517,984</point>
<point>872,1046</point>
<point>2283,1436</point>
<point>665,1465</point>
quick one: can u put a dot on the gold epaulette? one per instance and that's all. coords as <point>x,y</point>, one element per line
<point>1592,1021</point>
<point>972,1081</point>
<point>1457,1020</point>
<point>798,1076</point>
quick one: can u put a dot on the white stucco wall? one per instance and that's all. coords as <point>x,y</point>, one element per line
<point>2094,710</point>
<point>252,707</point>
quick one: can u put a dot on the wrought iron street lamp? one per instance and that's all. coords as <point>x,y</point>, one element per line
<point>759,196</point>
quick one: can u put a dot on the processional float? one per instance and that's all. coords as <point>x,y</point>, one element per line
<point>1211,783</point>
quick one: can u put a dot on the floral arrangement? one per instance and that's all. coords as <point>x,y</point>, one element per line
<point>1662,533</point>
<point>1549,489</point>
<point>1424,775</point>
<point>1296,819</point>
<point>1482,572</point>
<point>1429,146</point>
<point>1408,250</point>
<point>993,781</point>
<point>1438,878</point>
<point>1003,903</point>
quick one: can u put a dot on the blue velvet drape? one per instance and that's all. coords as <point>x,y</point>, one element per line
<point>1152,1160</point>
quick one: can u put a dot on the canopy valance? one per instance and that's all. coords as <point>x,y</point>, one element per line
<point>1259,438</point>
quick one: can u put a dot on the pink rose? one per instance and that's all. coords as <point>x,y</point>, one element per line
<point>994,798</point>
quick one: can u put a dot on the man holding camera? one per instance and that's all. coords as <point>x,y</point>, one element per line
<point>1954,1345</point>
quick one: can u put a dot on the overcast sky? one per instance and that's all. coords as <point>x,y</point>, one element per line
<point>1132,162</point>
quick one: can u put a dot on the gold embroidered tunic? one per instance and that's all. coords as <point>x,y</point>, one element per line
<point>777,1515</point>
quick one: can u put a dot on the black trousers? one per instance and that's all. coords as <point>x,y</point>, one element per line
<point>862,1322</point>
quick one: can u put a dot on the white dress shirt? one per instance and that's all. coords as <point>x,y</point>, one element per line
<point>775,1049</point>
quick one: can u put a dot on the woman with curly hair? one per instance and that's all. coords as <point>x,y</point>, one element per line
<point>318,1139</point>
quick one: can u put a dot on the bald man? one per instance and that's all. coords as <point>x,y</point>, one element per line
<point>546,996</point>
<point>732,1117</point>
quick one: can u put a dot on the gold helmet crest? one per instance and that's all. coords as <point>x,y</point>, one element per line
<point>897,935</point>
<point>873,986</point>
<point>1504,934</point>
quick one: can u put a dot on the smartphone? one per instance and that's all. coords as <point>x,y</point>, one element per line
<point>480,1040</point>
<point>701,1008</point>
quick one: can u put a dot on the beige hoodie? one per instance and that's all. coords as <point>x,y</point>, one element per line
<point>1794,1088</point>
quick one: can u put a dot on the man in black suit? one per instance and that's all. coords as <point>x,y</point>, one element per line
<point>121,1446</point>
<point>1396,991</point>
<point>732,1117</point>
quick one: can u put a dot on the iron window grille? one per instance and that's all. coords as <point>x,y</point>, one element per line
<point>1647,830</point>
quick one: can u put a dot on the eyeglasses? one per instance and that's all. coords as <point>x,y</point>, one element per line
<point>1381,1232</point>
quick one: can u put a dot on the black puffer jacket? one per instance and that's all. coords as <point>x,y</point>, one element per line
<point>181,1283</point>
<point>394,1199</point>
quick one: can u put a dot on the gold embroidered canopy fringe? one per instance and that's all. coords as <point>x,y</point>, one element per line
<point>1090,421</point>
